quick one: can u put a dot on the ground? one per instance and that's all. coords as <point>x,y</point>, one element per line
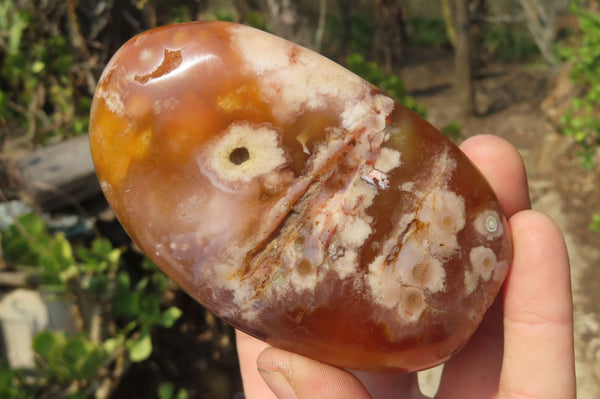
<point>509,99</point>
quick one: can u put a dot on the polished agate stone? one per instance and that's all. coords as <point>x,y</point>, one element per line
<point>295,200</point>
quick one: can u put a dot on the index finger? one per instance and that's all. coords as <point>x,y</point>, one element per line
<point>475,370</point>
<point>504,169</point>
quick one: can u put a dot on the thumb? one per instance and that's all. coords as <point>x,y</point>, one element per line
<point>291,376</point>
<point>538,319</point>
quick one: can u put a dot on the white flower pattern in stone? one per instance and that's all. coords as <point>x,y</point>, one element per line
<point>444,213</point>
<point>483,261</point>
<point>488,224</point>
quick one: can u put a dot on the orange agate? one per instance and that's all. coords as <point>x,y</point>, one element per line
<point>294,199</point>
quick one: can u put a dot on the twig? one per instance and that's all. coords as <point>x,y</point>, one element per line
<point>95,327</point>
<point>321,24</point>
<point>500,19</point>
<point>449,21</point>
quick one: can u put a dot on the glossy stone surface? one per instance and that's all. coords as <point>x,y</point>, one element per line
<point>294,199</point>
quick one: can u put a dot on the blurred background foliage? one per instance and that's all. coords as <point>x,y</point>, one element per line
<point>52,53</point>
<point>581,120</point>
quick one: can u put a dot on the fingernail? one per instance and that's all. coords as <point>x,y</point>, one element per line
<point>278,383</point>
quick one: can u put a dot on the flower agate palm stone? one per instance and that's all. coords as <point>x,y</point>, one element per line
<point>295,200</point>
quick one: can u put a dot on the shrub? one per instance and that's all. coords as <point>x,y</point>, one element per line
<point>41,91</point>
<point>581,121</point>
<point>117,312</point>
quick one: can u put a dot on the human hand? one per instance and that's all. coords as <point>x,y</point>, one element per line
<point>522,349</point>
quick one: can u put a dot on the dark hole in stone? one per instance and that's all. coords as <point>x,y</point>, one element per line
<point>239,155</point>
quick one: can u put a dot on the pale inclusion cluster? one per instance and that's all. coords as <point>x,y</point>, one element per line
<point>483,259</point>
<point>418,269</point>
<point>289,83</point>
<point>339,226</point>
<point>295,80</point>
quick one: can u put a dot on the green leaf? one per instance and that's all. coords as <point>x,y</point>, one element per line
<point>595,223</point>
<point>16,32</point>
<point>166,390</point>
<point>141,348</point>
<point>62,251</point>
<point>150,308</point>
<point>127,301</point>
<point>101,256</point>
<point>225,14</point>
<point>69,273</point>
<point>100,285</point>
<point>37,66</point>
<point>112,344</point>
<point>101,246</point>
<point>49,345</point>
<point>142,284</point>
<point>19,250</point>
<point>24,240</point>
<point>123,281</point>
<point>160,281</point>
<point>114,256</point>
<point>32,224</point>
<point>92,364</point>
<point>148,265</point>
<point>13,384</point>
<point>82,357</point>
<point>169,317</point>
<point>182,394</point>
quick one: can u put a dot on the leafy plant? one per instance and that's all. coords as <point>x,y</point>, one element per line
<point>117,312</point>
<point>28,244</point>
<point>12,383</point>
<point>67,358</point>
<point>52,53</point>
<point>595,223</point>
<point>581,120</point>
<point>39,88</point>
